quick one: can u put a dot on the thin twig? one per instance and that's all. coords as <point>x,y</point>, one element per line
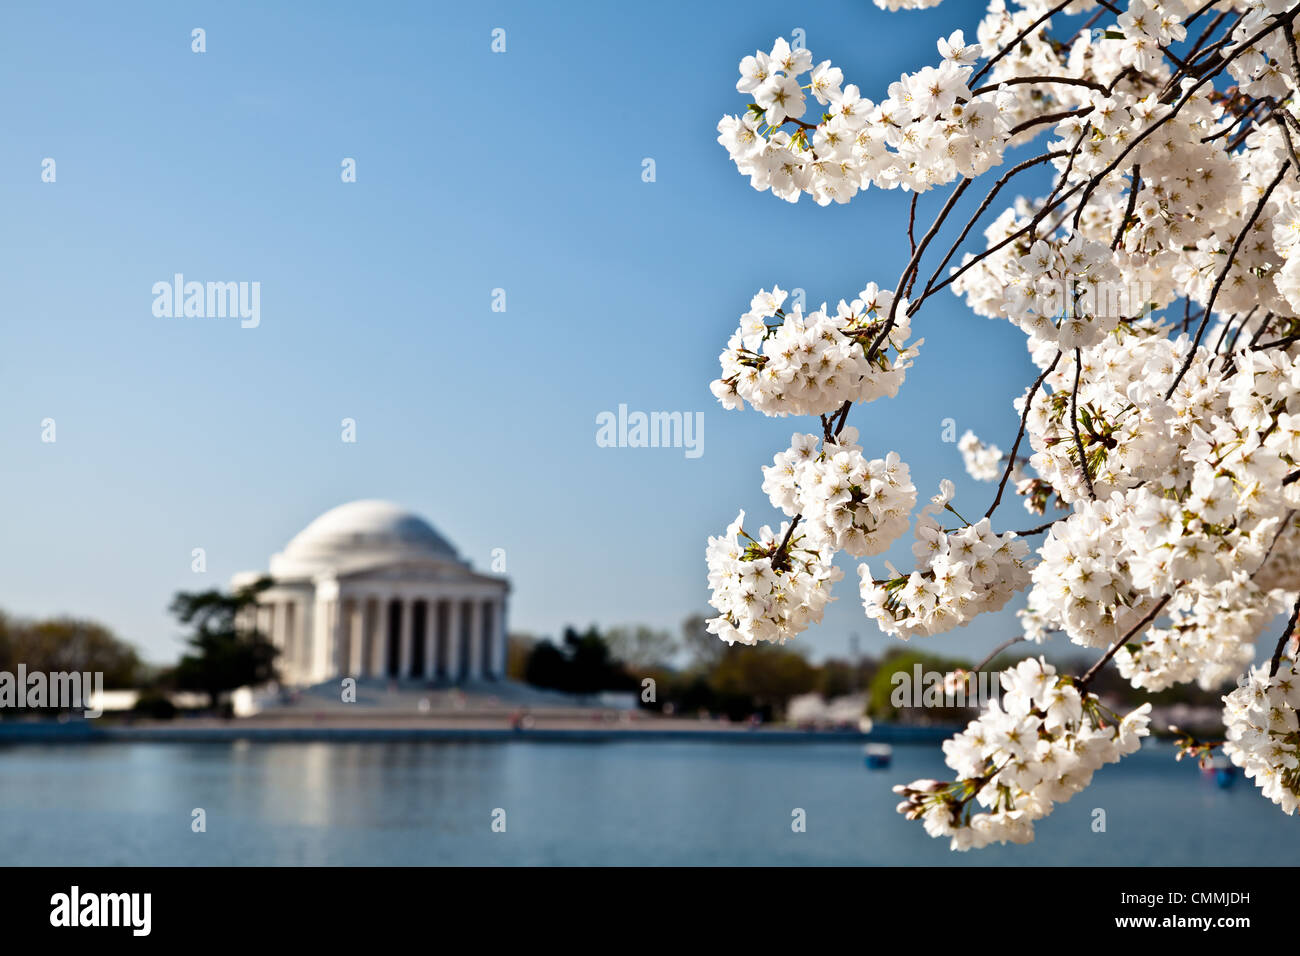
<point>1019,37</point>
<point>1039,530</point>
<point>998,650</point>
<point>1070,80</point>
<point>1132,204</point>
<point>1024,417</point>
<point>911,224</point>
<point>1281,641</point>
<point>1218,284</point>
<point>1074,422</point>
<point>1139,626</point>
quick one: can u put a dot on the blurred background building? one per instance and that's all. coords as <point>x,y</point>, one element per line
<point>370,589</point>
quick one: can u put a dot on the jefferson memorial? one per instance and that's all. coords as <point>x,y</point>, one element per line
<point>370,589</point>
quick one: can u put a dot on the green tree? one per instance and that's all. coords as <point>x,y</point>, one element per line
<point>880,702</point>
<point>224,656</point>
<point>592,667</point>
<point>641,648</point>
<point>838,678</point>
<point>582,665</point>
<point>705,650</point>
<point>768,674</point>
<point>69,644</point>
<point>547,666</point>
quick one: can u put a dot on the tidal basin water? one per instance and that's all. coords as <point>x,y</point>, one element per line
<point>622,803</point>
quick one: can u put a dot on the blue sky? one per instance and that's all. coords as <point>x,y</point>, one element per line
<point>476,171</point>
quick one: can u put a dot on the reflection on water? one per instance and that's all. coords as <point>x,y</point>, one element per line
<point>647,803</point>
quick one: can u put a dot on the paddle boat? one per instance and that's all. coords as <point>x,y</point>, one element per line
<point>877,756</point>
<point>1225,774</point>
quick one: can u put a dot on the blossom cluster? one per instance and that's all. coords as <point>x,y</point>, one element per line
<point>1118,410</point>
<point>848,503</point>
<point>1209,639</point>
<point>1157,282</point>
<point>1059,292</point>
<point>788,363</point>
<point>1188,498</point>
<point>1036,746</point>
<point>958,575</point>
<point>982,461</point>
<point>1263,733</point>
<point>930,129</point>
<point>766,588</point>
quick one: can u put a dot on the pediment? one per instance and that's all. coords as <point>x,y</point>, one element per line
<point>406,570</point>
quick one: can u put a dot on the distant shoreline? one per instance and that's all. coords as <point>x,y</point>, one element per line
<point>93,731</point>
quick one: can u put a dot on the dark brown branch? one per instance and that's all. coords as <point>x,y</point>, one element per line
<point>998,650</point>
<point>1074,423</point>
<point>1024,418</point>
<point>789,533</point>
<point>1068,80</point>
<point>957,273</point>
<point>1281,641</point>
<point>1199,13</point>
<point>1132,204</point>
<point>1047,118</point>
<point>1039,530</point>
<point>1218,284</point>
<point>1278,342</point>
<point>988,201</point>
<point>1138,627</point>
<point>1295,59</point>
<point>1286,135</point>
<point>911,224</point>
<point>1019,37</point>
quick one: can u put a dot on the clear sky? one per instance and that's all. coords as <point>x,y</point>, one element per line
<point>475,171</point>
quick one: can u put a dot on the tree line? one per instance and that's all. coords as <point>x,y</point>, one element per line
<point>696,673</point>
<point>693,671</point>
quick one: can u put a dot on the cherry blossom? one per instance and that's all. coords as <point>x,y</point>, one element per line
<point>1156,279</point>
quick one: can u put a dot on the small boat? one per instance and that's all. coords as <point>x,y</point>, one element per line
<point>1225,774</point>
<point>877,756</point>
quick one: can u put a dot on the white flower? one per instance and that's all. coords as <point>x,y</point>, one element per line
<point>982,461</point>
<point>826,80</point>
<point>955,49</point>
<point>765,592</point>
<point>781,98</point>
<point>1262,732</point>
<point>1017,764</point>
<point>812,364</point>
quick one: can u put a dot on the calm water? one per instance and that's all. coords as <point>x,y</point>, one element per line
<point>631,803</point>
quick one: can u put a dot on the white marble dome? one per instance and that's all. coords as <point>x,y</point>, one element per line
<point>370,589</point>
<point>360,533</point>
